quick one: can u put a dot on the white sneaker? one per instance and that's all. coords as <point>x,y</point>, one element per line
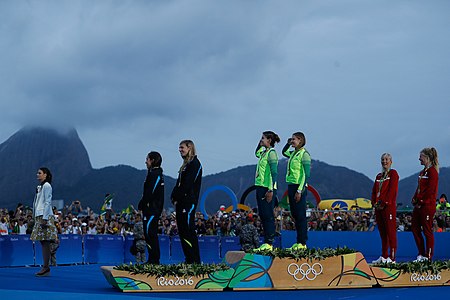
<point>380,260</point>
<point>390,261</point>
<point>421,258</point>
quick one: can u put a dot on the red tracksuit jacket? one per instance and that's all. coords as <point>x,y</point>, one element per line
<point>427,189</point>
<point>389,189</point>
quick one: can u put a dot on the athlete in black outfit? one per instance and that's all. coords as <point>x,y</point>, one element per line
<point>152,204</point>
<point>185,198</point>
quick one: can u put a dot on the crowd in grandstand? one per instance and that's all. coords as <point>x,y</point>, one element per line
<point>74,219</point>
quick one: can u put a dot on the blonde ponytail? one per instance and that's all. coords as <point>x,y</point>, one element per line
<point>432,155</point>
<point>191,154</point>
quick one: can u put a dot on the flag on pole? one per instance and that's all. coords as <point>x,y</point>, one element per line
<point>284,203</point>
<point>127,210</point>
<point>107,204</point>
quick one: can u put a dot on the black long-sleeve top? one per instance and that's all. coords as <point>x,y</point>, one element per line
<point>187,188</point>
<point>152,201</point>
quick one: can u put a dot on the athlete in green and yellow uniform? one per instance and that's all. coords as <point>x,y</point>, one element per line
<point>266,185</point>
<point>298,172</point>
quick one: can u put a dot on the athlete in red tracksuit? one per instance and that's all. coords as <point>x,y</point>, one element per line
<point>384,200</point>
<point>424,202</point>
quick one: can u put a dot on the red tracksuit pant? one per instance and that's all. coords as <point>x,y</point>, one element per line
<point>387,226</point>
<point>422,220</point>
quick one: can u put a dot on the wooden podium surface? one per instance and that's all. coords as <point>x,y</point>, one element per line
<point>261,272</point>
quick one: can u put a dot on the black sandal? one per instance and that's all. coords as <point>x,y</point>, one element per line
<point>43,272</point>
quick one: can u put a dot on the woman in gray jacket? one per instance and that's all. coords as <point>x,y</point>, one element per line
<point>44,229</point>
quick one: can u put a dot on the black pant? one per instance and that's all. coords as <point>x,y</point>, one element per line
<point>265,210</point>
<point>186,229</point>
<point>298,212</point>
<point>151,237</point>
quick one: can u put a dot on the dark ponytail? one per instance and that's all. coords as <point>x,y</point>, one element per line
<point>48,173</point>
<point>274,138</point>
<point>156,158</point>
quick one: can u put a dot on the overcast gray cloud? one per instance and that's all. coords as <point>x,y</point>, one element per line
<point>358,77</point>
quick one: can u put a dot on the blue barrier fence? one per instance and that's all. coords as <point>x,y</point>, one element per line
<point>19,250</point>
<point>104,249</point>
<point>70,250</point>
<point>164,246</point>
<point>16,250</point>
<point>369,243</point>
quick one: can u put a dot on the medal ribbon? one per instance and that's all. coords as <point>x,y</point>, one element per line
<point>382,181</point>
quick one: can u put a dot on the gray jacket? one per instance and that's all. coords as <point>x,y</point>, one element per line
<point>42,205</point>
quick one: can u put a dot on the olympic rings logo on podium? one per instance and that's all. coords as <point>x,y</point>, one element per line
<point>305,270</point>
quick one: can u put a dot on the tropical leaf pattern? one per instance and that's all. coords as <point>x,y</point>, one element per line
<point>352,265</point>
<point>252,272</point>
<point>125,283</point>
<point>385,274</point>
<point>219,279</point>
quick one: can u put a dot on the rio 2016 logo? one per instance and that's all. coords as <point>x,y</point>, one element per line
<point>305,270</point>
<point>162,281</point>
<point>426,277</point>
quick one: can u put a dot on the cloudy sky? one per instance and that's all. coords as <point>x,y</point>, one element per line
<point>359,78</point>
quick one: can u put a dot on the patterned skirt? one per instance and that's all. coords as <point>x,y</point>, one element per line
<point>44,232</point>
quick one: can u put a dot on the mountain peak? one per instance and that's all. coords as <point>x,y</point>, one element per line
<point>61,150</point>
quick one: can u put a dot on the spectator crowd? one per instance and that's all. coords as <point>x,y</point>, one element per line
<point>74,219</point>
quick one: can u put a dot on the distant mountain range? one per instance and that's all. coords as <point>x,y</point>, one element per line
<point>75,179</point>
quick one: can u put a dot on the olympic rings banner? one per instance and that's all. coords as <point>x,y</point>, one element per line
<point>211,189</point>
<point>305,271</point>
